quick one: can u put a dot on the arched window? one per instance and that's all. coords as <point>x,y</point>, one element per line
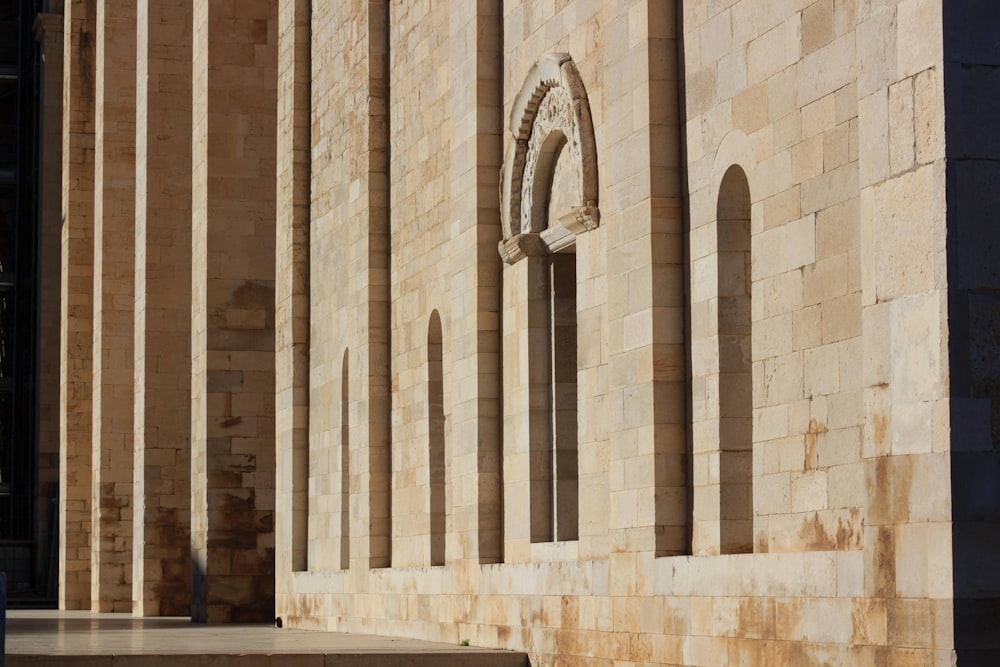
<point>549,199</point>
<point>435,439</point>
<point>735,374</point>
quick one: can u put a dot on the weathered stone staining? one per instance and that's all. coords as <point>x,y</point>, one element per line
<point>618,333</point>
<point>161,559</point>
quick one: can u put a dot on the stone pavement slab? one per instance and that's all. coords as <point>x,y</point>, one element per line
<point>86,639</point>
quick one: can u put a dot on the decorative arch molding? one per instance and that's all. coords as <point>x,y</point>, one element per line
<point>550,115</point>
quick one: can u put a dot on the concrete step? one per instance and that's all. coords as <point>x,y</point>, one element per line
<point>86,639</point>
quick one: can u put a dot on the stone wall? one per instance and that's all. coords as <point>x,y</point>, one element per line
<point>420,248</point>
<point>762,325</point>
<point>617,333</point>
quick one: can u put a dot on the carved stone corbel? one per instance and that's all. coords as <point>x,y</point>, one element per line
<point>580,219</point>
<point>520,246</point>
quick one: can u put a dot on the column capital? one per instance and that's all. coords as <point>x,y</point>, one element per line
<point>48,26</point>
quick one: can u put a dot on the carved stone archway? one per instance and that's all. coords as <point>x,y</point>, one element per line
<point>550,121</point>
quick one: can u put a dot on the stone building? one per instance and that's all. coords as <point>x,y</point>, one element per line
<point>618,332</point>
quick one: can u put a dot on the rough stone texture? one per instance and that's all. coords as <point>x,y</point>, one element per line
<point>750,225</point>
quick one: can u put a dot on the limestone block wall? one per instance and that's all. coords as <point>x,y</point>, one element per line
<point>774,94</point>
<point>472,423</point>
<point>420,248</point>
<point>761,386</point>
<point>908,429</point>
<point>622,333</point>
<point>349,362</point>
<point>292,393</point>
<point>328,184</point>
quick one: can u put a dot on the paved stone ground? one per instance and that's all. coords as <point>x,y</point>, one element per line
<point>85,639</point>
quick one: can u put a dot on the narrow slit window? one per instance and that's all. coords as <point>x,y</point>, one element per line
<point>436,441</point>
<point>735,371</point>
<point>564,395</point>
<point>345,464</point>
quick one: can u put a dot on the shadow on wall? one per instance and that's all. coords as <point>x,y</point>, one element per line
<point>199,590</point>
<point>972,129</point>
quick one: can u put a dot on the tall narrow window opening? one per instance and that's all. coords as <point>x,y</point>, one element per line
<point>540,395</point>
<point>735,373</point>
<point>436,441</point>
<point>294,254</point>
<point>549,198</point>
<point>378,419</point>
<point>345,464</point>
<point>562,330</point>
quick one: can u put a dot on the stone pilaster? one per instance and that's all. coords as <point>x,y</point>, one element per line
<point>377,352</point>
<point>114,232</point>
<point>647,481</point>
<point>76,296</point>
<point>161,559</point>
<point>233,264</point>
<point>349,360</point>
<point>474,463</point>
<point>292,286</point>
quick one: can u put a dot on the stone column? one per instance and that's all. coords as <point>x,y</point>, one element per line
<point>670,441</point>
<point>114,231</point>
<point>376,431</point>
<point>648,448</point>
<point>161,563</point>
<point>646,513</point>
<point>349,328</point>
<point>49,32</point>
<point>474,463</point>
<point>292,316</point>
<point>234,120</point>
<point>76,295</point>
